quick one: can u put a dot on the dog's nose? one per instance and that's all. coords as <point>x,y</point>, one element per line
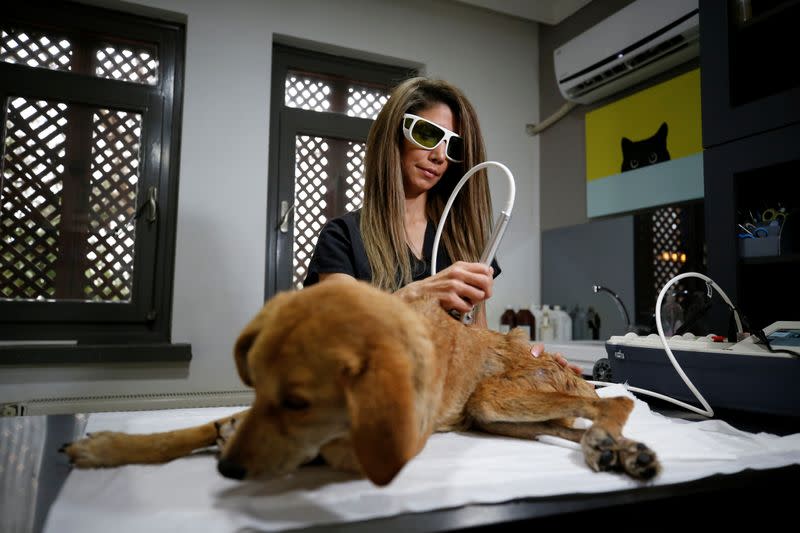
<point>230,469</point>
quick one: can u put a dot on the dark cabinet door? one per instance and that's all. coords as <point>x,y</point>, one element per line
<point>743,179</point>
<point>748,60</point>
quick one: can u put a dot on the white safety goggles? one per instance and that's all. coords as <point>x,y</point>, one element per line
<point>428,135</point>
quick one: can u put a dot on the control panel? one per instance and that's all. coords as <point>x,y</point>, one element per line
<point>782,334</point>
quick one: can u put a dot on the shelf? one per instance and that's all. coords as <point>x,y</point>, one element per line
<point>770,259</point>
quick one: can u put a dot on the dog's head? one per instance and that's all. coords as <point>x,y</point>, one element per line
<point>339,359</point>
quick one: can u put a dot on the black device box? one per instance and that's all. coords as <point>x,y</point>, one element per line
<point>754,383</point>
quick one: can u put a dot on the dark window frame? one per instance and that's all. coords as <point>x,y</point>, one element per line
<point>146,319</point>
<point>285,122</point>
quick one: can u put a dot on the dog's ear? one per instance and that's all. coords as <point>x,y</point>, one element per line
<point>380,401</point>
<point>269,315</point>
<point>242,347</point>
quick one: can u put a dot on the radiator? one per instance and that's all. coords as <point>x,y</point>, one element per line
<point>131,402</point>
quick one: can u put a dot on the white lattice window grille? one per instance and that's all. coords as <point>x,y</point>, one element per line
<point>321,192</point>
<point>306,92</point>
<point>127,64</point>
<point>354,179</point>
<point>112,205</point>
<point>52,233</point>
<point>317,93</point>
<point>35,49</point>
<point>131,64</point>
<point>365,102</point>
<point>309,200</point>
<point>668,250</point>
<point>30,212</point>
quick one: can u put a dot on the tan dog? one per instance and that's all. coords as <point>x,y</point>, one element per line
<point>362,378</point>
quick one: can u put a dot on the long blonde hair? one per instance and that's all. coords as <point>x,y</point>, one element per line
<point>382,217</point>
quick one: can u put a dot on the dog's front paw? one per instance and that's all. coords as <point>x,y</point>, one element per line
<point>225,431</point>
<point>97,450</point>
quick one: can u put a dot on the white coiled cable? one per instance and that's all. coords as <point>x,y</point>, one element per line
<point>707,410</point>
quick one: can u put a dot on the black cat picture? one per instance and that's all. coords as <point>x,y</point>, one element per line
<point>638,154</point>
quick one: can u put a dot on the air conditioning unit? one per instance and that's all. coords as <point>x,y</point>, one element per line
<point>641,40</point>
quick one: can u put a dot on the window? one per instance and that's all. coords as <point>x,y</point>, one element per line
<point>669,241</point>
<point>319,129</point>
<point>90,103</point>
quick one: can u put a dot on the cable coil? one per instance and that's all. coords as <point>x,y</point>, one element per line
<point>707,410</point>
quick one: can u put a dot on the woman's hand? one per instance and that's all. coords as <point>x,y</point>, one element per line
<point>460,286</point>
<point>537,350</point>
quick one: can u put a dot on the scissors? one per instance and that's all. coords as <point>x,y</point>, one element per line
<point>752,231</point>
<point>773,214</point>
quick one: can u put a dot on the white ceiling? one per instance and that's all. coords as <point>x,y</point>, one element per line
<point>544,11</point>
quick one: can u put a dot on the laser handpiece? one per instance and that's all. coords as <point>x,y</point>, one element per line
<point>497,233</point>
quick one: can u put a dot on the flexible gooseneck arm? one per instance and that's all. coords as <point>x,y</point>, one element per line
<point>499,227</point>
<point>620,305</point>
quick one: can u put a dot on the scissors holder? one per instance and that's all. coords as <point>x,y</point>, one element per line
<point>761,247</point>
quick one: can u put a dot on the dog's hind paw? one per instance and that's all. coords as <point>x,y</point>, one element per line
<point>638,460</point>
<point>603,452</point>
<point>599,449</point>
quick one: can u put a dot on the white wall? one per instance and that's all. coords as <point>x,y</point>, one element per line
<point>220,256</point>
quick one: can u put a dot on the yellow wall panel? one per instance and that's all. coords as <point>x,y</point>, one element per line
<point>675,102</point>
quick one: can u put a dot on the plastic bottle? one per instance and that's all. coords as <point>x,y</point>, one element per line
<point>550,319</point>
<point>536,309</point>
<point>671,315</point>
<point>593,323</point>
<point>580,326</point>
<point>564,332</point>
<point>508,320</point>
<point>527,322</point>
<point>547,325</point>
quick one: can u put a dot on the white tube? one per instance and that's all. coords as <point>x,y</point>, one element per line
<point>707,411</point>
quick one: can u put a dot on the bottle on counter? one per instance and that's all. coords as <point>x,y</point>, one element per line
<point>580,327</point>
<point>546,328</point>
<point>527,322</point>
<point>536,309</point>
<point>593,322</point>
<point>564,324</point>
<point>508,320</point>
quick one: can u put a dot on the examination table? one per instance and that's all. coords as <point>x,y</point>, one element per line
<point>724,470</point>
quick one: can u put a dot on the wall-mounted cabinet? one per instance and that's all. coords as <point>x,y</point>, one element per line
<point>748,58</point>
<point>751,162</point>
<point>743,180</point>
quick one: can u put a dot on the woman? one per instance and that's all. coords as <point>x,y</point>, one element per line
<point>423,141</point>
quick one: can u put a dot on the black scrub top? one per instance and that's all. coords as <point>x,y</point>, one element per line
<point>340,249</point>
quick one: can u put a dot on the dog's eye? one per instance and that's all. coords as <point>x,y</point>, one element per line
<point>295,403</point>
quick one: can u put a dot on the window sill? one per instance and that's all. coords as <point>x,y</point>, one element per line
<point>50,354</point>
